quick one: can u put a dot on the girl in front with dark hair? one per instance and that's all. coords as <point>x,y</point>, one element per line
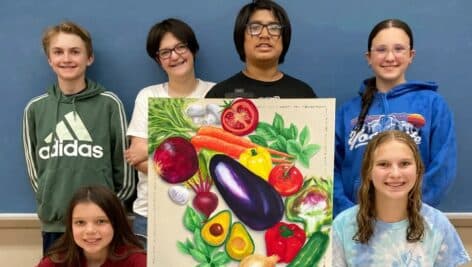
<point>173,45</point>
<point>388,101</point>
<point>97,233</point>
<point>262,33</point>
<point>391,226</point>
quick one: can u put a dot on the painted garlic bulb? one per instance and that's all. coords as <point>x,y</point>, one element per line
<point>179,194</point>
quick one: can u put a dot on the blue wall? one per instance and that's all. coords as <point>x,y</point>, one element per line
<point>328,44</point>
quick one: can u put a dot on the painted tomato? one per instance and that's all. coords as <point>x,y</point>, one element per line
<point>240,117</point>
<point>286,179</point>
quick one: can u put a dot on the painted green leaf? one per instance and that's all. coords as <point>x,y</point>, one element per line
<point>211,249</point>
<point>199,243</point>
<point>310,150</point>
<point>198,256</point>
<point>305,136</point>
<point>220,258</point>
<point>266,131</point>
<point>205,264</point>
<point>293,131</point>
<point>287,133</point>
<point>304,160</point>
<point>278,122</point>
<point>182,248</point>
<point>192,219</point>
<point>294,148</point>
<point>257,139</point>
<point>166,118</point>
<point>280,144</point>
<point>189,244</point>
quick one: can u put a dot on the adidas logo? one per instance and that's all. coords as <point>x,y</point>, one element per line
<point>68,133</point>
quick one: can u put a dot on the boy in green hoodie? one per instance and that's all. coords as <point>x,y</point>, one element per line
<point>74,134</point>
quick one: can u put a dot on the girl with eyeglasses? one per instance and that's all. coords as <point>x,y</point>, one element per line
<point>173,45</point>
<point>388,101</point>
<point>391,226</point>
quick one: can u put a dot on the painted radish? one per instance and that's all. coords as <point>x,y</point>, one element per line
<point>175,160</point>
<point>204,201</point>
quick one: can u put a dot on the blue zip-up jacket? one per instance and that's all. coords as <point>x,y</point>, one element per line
<point>413,107</point>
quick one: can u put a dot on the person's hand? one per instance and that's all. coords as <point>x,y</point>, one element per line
<point>137,152</point>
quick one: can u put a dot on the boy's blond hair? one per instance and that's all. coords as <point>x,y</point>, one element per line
<point>70,28</point>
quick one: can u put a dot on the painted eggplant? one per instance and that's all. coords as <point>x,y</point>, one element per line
<point>253,200</point>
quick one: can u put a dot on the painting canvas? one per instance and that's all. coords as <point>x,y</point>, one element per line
<point>235,182</point>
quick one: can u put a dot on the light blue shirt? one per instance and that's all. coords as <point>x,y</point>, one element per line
<point>441,245</point>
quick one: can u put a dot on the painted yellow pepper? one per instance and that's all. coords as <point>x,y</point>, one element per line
<point>257,160</point>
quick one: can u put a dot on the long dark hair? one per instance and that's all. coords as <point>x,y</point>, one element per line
<point>66,252</point>
<point>366,215</point>
<point>370,85</point>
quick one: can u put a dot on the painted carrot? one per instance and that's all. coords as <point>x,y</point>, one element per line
<point>280,160</point>
<point>224,135</point>
<point>234,139</point>
<point>232,150</point>
<point>219,145</point>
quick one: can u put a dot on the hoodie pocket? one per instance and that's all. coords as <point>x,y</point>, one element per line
<point>57,186</point>
<point>45,197</point>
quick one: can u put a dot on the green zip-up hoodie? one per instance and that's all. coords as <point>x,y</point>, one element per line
<point>72,141</point>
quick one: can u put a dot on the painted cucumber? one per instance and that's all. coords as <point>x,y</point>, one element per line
<point>313,251</point>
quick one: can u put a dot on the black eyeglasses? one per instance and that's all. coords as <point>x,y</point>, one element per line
<point>167,52</point>
<point>255,28</point>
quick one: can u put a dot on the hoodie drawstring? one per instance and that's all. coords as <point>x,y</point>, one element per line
<point>74,109</point>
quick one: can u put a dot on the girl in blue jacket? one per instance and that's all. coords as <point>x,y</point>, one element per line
<point>388,101</point>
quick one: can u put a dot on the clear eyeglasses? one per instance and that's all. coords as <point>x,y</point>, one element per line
<point>255,28</point>
<point>383,50</point>
<point>180,49</point>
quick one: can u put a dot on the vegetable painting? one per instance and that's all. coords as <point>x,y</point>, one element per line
<point>311,205</point>
<point>254,201</point>
<point>257,160</point>
<point>239,182</point>
<point>284,240</point>
<point>175,160</point>
<point>240,116</point>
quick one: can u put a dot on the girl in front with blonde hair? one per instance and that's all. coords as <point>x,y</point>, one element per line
<point>391,226</point>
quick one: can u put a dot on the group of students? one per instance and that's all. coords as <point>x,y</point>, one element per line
<point>395,145</point>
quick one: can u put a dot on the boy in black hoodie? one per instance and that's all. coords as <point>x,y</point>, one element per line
<point>73,135</point>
